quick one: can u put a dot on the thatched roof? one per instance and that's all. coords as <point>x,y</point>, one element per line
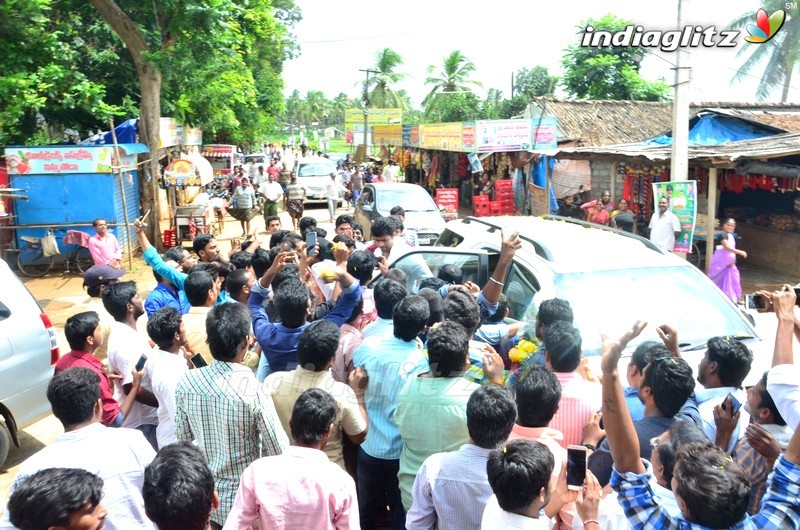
<point>608,122</point>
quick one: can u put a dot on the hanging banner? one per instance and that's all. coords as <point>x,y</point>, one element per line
<point>468,136</point>
<point>374,116</point>
<point>181,173</point>
<point>503,135</point>
<point>475,163</point>
<point>447,201</point>
<point>71,159</point>
<point>387,135</point>
<point>544,135</point>
<point>682,197</point>
<point>538,200</point>
<point>168,132</point>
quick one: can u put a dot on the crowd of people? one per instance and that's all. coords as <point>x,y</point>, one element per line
<point>294,387</point>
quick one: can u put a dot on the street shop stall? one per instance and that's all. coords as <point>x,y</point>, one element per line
<point>71,185</point>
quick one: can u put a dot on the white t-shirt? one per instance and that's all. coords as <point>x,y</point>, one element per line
<point>663,228</point>
<point>271,190</point>
<point>125,346</point>
<point>332,190</point>
<point>165,370</point>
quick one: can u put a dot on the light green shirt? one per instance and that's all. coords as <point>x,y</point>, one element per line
<point>432,416</point>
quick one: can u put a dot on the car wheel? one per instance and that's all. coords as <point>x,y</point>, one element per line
<point>5,443</point>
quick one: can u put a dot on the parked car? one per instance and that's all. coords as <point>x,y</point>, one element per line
<point>611,279</point>
<point>314,173</point>
<point>422,214</point>
<point>28,351</point>
<point>253,160</point>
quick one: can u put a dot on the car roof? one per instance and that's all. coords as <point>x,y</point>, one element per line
<point>393,185</point>
<point>314,160</point>
<point>570,245</point>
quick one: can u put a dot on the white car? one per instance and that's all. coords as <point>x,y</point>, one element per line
<point>28,352</point>
<point>611,279</point>
<point>422,214</point>
<point>314,172</point>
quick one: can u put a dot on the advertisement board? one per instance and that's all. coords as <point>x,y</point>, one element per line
<point>682,196</point>
<point>374,116</point>
<point>447,200</point>
<point>67,159</point>
<point>503,135</point>
<point>387,135</point>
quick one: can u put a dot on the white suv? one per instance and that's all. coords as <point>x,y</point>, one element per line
<point>611,279</point>
<point>28,351</point>
<point>314,172</point>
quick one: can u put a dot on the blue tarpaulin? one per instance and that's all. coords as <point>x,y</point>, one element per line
<point>539,177</point>
<point>713,129</point>
<point>126,134</point>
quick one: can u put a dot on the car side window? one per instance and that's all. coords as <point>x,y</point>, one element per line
<point>418,266</point>
<point>366,196</point>
<point>520,287</point>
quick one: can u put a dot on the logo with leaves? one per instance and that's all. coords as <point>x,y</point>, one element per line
<point>766,26</point>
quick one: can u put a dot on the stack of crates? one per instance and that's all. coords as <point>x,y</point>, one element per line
<point>480,206</point>
<point>504,196</point>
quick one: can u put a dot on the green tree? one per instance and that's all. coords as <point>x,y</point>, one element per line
<point>607,72</point>
<point>780,56</point>
<point>462,106</point>
<point>380,87</point>
<point>452,78</point>
<point>338,105</point>
<point>536,82</point>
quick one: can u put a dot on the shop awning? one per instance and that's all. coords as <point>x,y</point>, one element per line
<point>218,150</point>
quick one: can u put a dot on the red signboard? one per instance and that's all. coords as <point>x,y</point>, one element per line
<point>447,199</point>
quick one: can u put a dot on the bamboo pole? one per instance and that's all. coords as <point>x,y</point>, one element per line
<point>122,191</point>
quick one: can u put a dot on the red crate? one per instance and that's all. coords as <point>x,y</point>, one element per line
<point>503,184</point>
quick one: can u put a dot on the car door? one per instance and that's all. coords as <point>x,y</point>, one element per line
<point>419,264</point>
<point>365,210</point>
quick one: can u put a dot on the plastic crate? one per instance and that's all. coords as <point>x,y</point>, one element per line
<point>504,185</point>
<point>495,207</point>
<point>168,238</point>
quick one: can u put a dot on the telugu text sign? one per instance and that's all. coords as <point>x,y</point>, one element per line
<point>503,135</point>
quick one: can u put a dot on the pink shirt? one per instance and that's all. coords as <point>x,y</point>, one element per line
<point>349,340</point>
<point>579,399</point>
<point>104,249</point>
<point>299,489</point>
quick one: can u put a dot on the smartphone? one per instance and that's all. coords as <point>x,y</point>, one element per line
<point>734,403</point>
<point>755,301</point>
<point>311,242</point>
<point>797,294</point>
<point>198,361</point>
<point>576,466</point>
<point>140,362</point>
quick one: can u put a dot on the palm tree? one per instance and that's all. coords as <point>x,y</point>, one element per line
<point>453,77</point>
<point>317,106</point>
<point>382,94</point>
<point>781,53</point>
<point>295,109</point>
<point>338,106</point>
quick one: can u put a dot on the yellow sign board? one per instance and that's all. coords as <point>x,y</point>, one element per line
<point>387,135</point>
<point>374,116</point>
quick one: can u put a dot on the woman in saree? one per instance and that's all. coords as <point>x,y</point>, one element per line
<point>723,270</point>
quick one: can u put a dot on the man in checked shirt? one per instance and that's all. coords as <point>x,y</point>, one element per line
<point>222,409</point>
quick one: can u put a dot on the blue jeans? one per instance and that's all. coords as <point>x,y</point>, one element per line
<point>332,207</point>
<point>378,487</point>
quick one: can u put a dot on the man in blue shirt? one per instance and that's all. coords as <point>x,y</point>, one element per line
<point>166,295</point>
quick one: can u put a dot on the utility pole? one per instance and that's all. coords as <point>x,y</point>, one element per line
<point>679,162</point>
<point>366,103</point>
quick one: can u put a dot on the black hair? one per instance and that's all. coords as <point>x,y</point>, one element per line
<point>767,402</point>
<point>462,307</point>
<point>290,271</point>
<point>317,345</point>
<point>397,275</point>
<point>49,497</point>
<point>398,223</point>
<point>646,352</point>
<point>227,330</point>
<point>271,218</point>
<point>345,219</point>
<point>73,394</point>
<point>94,223</point>
<point>538,396</point>
<point>357,226</point>
<point>388,294</point>
<point>306,223</point>
<point>260,261</point>
<point>733,360</point>
<point>176,254</point>
<point>197,286</point>
<point>156,275</point>
<point>491,413</point>
<point>397,210</point>
<point>291,302</point>
<point>357,310</point>
<point>716,489</point>
<point>448,347</point>
<point>199,243</point>
<point>241,259</point>
<point>223,267</point>
<point>681,433</point>
<point>236,281</point>
<point>382,227</point>
<point>671,380</point>
<point>562,342</point>
<point>163,325</point>
<point>178,489</point>
<point>321,232</point>
<point>211,267</point>
<point>434,305</point>
<point>554,310</point>
<point>117,296</point>
<point>432,283</point>
<point>80,327</point>
<point>277,236</point>
<point>295,240</point>
<point>410,317</point>
<point>518,472</point>
<point>451,274</point>
<point>502,307</point>
<point>349,242</point>
<point>312,415</point>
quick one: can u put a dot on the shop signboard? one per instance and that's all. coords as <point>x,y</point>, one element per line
<point>468,136</point>
<point>406,135</point>
<point>682,196</point>
<point>374,116</point>
<point>168,132</point>
<point>387,135</point>
<point>545,133</point>
<point>538,200</point>
<point>447,201</point>
<point>192,136</point>
<point>432,135</point>
<point>503,135</point>
<point>414,136</point>
<point>453,140</point>
<point>181,173</point>
<point>68,159</point>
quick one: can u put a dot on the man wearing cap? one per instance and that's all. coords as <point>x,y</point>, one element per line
<point>103,246</point>
<point>96,279</point>
<point>332,195</point>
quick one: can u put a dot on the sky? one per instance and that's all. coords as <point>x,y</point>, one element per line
<point>500,36</point>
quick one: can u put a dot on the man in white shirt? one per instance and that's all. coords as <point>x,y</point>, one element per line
<point>664,226</point>
<point>393,248</point>
<point>391,171</point>
<point>118,456</point>
<point>166,364</point>
<point>273,195</point>
<point>332,195</point>
<point>125,346</point>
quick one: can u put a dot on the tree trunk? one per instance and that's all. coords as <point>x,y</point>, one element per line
<point>149,108</point>
<point>786,82</point>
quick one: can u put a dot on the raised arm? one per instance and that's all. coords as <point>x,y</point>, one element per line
<point>784,302</point>
<point>494,288</point>
<point>153,258</point>
<point>617,420</point>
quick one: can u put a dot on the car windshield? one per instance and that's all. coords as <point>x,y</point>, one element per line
<point>611,301</point>
<point>316,169</point>
<point>412,199</point>
<point>255,160</point>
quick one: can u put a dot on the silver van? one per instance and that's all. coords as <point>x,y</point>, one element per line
<point>28,352</point>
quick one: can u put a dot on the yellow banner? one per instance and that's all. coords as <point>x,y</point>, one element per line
<point>387,135</point>
<point>374,116</point>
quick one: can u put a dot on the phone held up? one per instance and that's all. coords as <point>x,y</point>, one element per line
<point>198,361</point>
<point>758,302</point>
<point>576,466</point>
<point>735,405</point>
<point>311,242</point>
<point>140,362</point>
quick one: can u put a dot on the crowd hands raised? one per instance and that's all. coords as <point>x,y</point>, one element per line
<point>297,391</point>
